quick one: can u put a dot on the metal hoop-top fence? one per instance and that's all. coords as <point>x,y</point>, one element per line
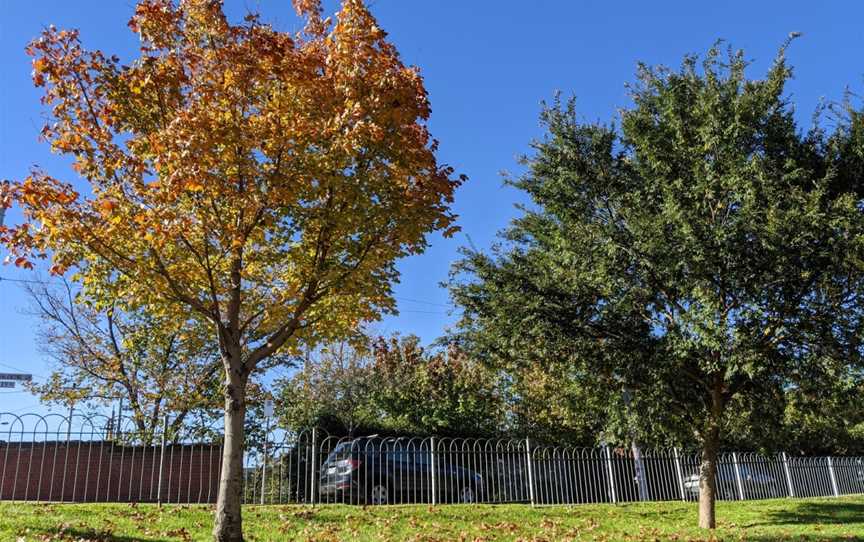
<point>88,459</point>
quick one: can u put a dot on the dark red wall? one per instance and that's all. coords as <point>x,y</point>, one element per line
<point>104,471</point>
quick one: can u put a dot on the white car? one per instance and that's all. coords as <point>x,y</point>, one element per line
<point>753,483</point>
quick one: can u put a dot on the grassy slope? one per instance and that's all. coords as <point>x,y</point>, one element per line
<point>809,520</point>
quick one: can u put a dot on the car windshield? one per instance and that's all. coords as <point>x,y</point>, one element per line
<point>343,450</point>
<point>387,450</point>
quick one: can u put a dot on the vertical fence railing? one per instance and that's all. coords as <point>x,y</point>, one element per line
<point>313,464</point>
<point>99,459</point>
<point>433,472</point>
<point>529,463</point>
<point>162,459</point>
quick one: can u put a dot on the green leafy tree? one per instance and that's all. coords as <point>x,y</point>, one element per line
<point>393,386</point>
<point>331,391</point>
<point>704,252</point>
<point>550,403</point>
<point>437,392</point>
<point>825,420</point>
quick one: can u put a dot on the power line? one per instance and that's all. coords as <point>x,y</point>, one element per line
<point>29,407</point>
<point>7,279</point>
<point>11,367</point>
<point>410,300</point>
<point>400,298</point>
<point>21,370</point>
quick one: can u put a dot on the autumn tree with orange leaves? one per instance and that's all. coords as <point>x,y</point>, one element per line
<point>265,181</point>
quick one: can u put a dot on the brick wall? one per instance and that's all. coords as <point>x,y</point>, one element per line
<point>92,471</point>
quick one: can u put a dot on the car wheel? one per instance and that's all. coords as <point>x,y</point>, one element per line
<point>467,495</point>
<point>378,494</point>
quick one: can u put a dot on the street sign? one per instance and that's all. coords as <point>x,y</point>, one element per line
<point>20,377</point>
<point>268,408</point>
<point>7,384</point>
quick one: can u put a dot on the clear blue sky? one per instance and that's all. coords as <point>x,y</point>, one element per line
<point>487,64</point>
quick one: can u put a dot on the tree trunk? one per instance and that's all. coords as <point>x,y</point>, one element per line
<point>708,484</point>
<point>228,526</point>
<point>708,466</point>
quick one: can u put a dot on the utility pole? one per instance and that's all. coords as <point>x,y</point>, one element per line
<point>69,425</point>
<point>268,413</point>
<point>72,389</point>
<point>109,428</point>
<point>117,432</point>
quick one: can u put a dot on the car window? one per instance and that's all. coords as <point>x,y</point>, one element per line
<point>422,456</point>
<point>417,457</point>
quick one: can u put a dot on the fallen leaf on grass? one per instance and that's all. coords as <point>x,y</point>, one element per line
<point>181,532</point>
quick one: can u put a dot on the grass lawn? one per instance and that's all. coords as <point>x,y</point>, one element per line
<point>806,519</point>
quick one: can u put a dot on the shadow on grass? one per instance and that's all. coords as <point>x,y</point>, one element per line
<point>818,512</point>
<point>797,537</point>
<point>95,535</point>
<point>788,524</point>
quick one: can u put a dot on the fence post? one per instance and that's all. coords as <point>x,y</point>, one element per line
<point>529,462</point>
<point>679,473</point>
<point>738,477</point>
<point>612,493</point>
<point>161,460</point>
<point>788,475</point>
<point>264,459</point>
<point>433,471</point>
<point>833,476</point>
<point>313,483</point>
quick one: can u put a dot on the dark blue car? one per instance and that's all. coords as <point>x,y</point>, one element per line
<point>371,471</point>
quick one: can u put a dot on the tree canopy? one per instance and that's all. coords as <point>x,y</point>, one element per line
<point>702,252</point>
<point>392,385</point>
<point>265,181</point>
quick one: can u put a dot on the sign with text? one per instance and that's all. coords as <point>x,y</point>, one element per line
<point>20,377</point>
<point>7,384</point>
